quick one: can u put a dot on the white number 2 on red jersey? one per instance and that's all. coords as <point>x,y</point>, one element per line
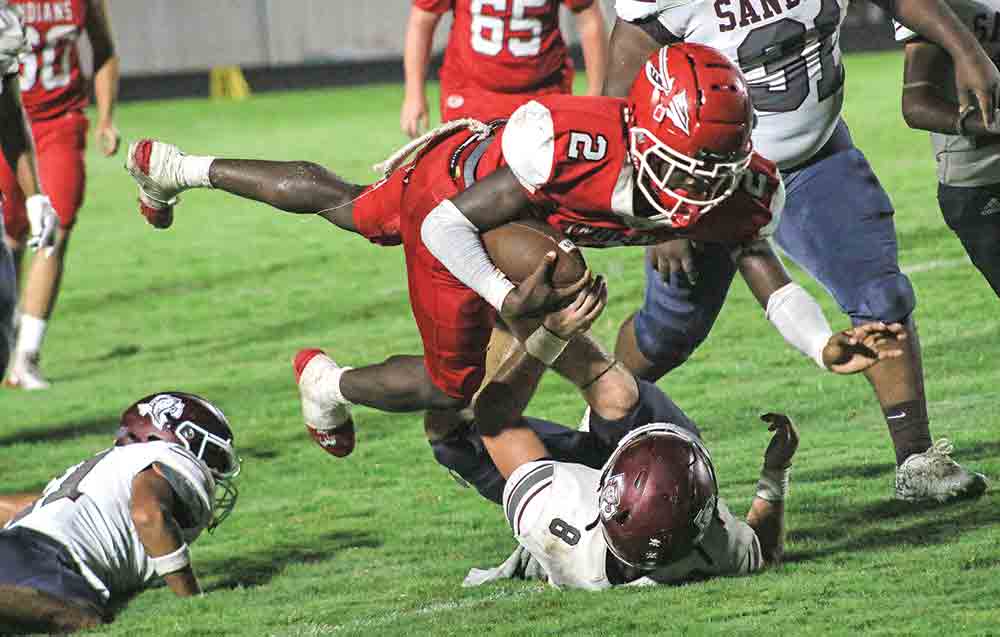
<point>490,31</point>
<point>58,39</point>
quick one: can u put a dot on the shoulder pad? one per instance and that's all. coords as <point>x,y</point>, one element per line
<point>528,144</point>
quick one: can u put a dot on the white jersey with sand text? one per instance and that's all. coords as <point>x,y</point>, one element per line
<point>552,507</point>
<point>789,51</point>
<point>88,510</point>
<point>967,161</point>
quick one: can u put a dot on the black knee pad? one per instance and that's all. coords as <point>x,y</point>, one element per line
<point>465,456</point>
<point>889,298</point>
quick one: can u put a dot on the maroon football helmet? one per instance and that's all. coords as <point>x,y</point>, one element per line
<point>658,495</point>
<point>194,423</point>
<point>689,138</point>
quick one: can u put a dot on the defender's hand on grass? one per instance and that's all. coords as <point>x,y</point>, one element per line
<point>536,294</point>
<point>784,442</point>
<point>858,348</point>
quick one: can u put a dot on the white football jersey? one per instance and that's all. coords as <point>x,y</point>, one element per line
<point>12,42</point>
<point>965,161</point>
<point>789,51</point>
<point>552,507</point>
<point>88,510</point>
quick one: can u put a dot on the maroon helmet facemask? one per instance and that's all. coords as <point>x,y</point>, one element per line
<point>657,496</point>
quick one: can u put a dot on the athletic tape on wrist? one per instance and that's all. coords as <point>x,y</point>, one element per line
<point>773,484</point>
<point>544,345</point>
<point>172,562</point>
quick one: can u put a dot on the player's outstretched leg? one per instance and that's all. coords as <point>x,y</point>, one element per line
<point>328,416</point>
<point>327,390</point>
<point>163,171</point>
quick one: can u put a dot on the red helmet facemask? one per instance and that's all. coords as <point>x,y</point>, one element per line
<point>689,135</point>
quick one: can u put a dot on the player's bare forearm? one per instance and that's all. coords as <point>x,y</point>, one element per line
<point>11,505</point>
<point>183,583</point>
<point>493,201</point>
<point>762,270</point>
<point>936,21</point>
<point>417,49</point>
<point>15,137</point>
<point>154,513</point>
<point>627,51</point>
<point>926,72</point>
<point>593,40</point>
<point>106,88</point>
<point>502,402</point>
<point>767,519</point>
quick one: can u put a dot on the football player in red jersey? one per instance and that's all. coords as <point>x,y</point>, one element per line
<point>673,159</point>
<point>54,94</point>
<point>500,54</point>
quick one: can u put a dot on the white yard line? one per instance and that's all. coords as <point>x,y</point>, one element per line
<point>936,264</point>
<point>395,616</point>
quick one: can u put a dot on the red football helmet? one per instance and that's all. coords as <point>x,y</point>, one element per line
<point>194,423</point>
<point>689,135</point>
<point>658,495</point>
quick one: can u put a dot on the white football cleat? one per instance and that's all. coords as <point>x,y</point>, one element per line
<point>156,168</point>
<point>933,475</point>
<point>328,419</point>
<point>25,374</point>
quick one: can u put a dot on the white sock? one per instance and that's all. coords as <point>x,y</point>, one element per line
<point>30,334</point>
<point>194,171</point>
<point>334,385</point>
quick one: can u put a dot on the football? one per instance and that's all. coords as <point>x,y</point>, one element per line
<point>519,246</point>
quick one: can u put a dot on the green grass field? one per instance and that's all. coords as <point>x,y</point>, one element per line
<point>378,543</point>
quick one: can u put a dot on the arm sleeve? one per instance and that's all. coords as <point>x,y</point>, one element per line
<point>435,6</point>
<point>454,241</point>
<point>525,494</point>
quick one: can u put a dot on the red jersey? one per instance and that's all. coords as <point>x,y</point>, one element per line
<point>51,80</point>
<point>505,46</point>
<point>571,155</point>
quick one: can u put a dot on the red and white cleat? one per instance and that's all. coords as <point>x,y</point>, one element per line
<point>155,166</point>
<point>328,420</point>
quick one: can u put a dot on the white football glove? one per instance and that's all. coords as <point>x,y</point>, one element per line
<point>43,220</point>
<point>13,42</point>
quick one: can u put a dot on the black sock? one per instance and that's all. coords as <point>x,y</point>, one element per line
<point>909,428</point>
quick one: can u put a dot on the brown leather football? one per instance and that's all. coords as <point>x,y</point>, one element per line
<point>519,246</point>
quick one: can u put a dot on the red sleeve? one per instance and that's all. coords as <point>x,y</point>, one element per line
<point>577,5</point>
<point>435,6</point>
<point>750,213</point>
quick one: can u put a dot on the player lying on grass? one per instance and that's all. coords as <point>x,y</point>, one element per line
<point>108,526</point>
<point>649,511</point>
<point>19,153</point>
<point>674,158</point>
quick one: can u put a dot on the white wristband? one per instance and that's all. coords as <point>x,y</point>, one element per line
<point>773,484</point>
<point>172,562</point>
<point>800,320</point>
<point>544,345</point>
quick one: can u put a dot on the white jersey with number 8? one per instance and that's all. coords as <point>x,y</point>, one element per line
<point>552,507</point>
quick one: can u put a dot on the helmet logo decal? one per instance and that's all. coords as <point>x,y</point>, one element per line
<point>611,495</point>
<point>677,111</point>
<point>162,407</point>
<point>704,517</point>
<point>660,80</point>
